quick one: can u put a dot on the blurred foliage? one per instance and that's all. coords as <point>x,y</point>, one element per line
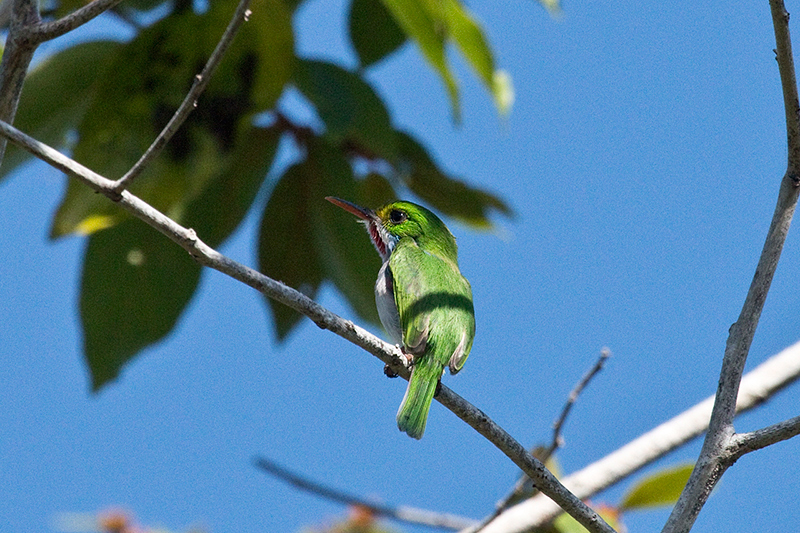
<point>106,101</point>
<point>358,520</point>
<point>661,488</point>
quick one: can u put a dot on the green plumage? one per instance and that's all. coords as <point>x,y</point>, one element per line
<point>435,305</point>
<point>423,301</point>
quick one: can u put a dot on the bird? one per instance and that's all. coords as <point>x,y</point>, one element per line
<point>423,300</point>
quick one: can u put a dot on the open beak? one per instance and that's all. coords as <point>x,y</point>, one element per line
<point>361,212</point>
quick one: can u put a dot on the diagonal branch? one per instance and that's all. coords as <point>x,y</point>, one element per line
<point>605,353</point>
<point>207,256</point>
<point>401,513</point>
<point>710,467</point>
<point>190,101</point>
<point>761,383</point>
<point>523,487</point>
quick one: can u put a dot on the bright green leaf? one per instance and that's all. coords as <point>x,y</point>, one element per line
<point>430,33</point>
<point>373,31</point>
<point>56,94</point>
<point>469,38</point>
<point>354,116</point>
<point>552,6</point>
<point>135,285</point>
<point>659,489</point>
<point>434,23</point>
<point>449,195</point>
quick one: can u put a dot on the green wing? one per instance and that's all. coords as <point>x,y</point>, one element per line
<point>435,305</point>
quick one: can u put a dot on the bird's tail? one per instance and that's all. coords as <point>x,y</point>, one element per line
<point>413,413</point>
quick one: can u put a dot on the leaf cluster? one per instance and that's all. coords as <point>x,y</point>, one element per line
<point>105,101</point>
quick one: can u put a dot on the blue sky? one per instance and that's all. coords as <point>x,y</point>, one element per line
<point>642,157</point>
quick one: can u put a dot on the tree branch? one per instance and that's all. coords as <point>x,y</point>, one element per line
<point>758,385</point>
<point>523,487</point>
<point>556,443</point>
<point>710,467</point>
<point>402,513</point>
<point>190,101</point>
<point>17,56</point>
<point>46,31</point>
<point>389,354</point>
<point>743,443</point>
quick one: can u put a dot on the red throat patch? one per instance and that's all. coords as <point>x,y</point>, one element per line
<point>376,238</point>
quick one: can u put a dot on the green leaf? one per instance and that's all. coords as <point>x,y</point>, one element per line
<point>56,95</point>
<point>217,212</point>
<point>449,195</point>
<point>552,6</point>
<point>469,38</point>
<point>429,32</point>
<point>285,243</point>
<point>434,23</point>
<point>152,74</point>
<point>344,248</point>
<point>659,489</point>
<point>375,190</point>
<point>373,31</point>
<point>135,285</point>
<point>304,241</point>
<point>354,116</point>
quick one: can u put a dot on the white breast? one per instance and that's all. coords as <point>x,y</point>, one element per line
<point>387,309</point>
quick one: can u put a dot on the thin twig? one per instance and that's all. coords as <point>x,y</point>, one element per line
<point>524,487</point>
<point>46,31</point>
<point>390,355</point>
<point>410,515</point>
<point>190,102</point>
<point>557,441</point>
<point>710,465</point>
<point>761,383</point>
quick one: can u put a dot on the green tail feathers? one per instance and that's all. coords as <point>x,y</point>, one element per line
<point>413,413</point>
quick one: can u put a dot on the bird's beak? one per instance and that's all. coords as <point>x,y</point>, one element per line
<point>361,212</point>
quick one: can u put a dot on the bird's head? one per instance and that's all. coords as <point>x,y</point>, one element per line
<point>397,220</point>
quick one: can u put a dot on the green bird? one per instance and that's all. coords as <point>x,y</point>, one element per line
<point>423,301</point>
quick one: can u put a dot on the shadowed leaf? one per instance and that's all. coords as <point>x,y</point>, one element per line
<point>56,95</point>
<point>285,243</point>
<point>304,240</point>
<point>152,75</point>
<point>134,287</point>
<point>354,115</point>
<point>345,250</point>
<point>217,212</point>
<point>373,31</point>
<point>449,195</point>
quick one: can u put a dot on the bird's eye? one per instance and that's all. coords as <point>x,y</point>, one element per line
<point>397,216</point>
